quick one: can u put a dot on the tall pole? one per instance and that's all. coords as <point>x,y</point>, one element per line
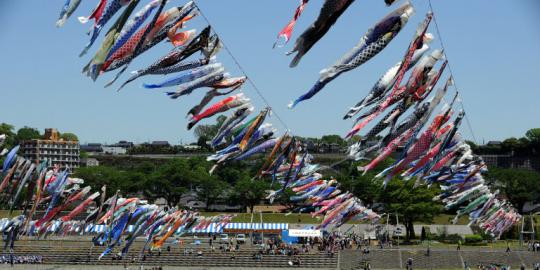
<point>387,231</point>
<point>251,229</point>
<point>522,232</point>
<point>262,229</point>
<point>397,224</point>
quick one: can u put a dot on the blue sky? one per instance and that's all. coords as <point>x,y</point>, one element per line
<point>492,47</point>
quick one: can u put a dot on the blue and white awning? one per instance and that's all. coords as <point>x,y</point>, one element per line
<point>257,226</point>
<point>3,224</point>
<point>98,228</point>
<point>212,228</point>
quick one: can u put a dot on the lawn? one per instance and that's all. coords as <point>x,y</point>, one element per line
<point>307,219</point>
<point>5,213</point>
<point>271,218</point>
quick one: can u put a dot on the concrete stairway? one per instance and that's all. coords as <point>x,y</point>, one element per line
<point>437,259</point>
<point>77,253</point>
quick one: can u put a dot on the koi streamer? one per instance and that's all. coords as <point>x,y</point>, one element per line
<point>433,153</point>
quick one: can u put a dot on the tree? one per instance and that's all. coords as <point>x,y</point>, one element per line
<point>329,139</point>
<point>533,135</point>
<point>249,192</point>
<point>411,203</point>
<point>171,180</point>
<point>202,142</point>
<point>209,188</point>
<point>473,145</point>
<point>204,133</point>
<point>355,138</point>
<point>284,199</point>
<point>520,186</point>
<point>232,172</point>
<point>7,130</point>
<point>27,133</point>
<point>97,176</point>
<point>511,144</point>
<point>209,131</point>
<point>69,137</point>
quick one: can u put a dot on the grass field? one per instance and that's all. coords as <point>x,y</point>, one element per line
<point>307,219</point>
<point>5,213</point>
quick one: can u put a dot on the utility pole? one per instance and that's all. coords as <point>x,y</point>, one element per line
<point>387,230</point>
<point>251,229</point>
<point>397,224</point>
<point>262,229</point>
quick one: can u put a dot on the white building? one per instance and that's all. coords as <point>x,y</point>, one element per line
<point>114,150</point>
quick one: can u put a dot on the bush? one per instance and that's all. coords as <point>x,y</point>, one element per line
<point>450,238</point>
<point>473,239</point>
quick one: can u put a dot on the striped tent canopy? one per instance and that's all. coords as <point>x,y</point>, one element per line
<point>53,227</point>
<point>95,228</point>
<point>3,223</point>
<point>257,226</point>
<point>212,228</point>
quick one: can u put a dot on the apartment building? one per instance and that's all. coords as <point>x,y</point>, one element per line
<point>65,154</point>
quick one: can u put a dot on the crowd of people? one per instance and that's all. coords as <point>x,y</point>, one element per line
<point>330,244</point>
<point>21,259</point>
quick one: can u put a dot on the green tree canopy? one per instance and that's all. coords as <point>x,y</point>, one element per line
<point>69,137</point>
<point>249,192</point>
<point>98,176</point>
<point>171,180</point>
<point>333,139</point>
<point>205,133</point>
<point>7,130</point>
<point>411,203</point>
<point>511,143</point>
<point>209,188</point>
<point>27,133</point>
<point>519,186</point>
<point>533,135</point>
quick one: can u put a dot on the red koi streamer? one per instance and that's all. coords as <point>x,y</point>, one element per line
<point>96,14</point>
<point>417,43</point>
<point>286,32</point>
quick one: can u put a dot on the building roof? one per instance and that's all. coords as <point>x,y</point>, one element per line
<point>124,144</point>
<point>160,143</point>
<point>494,143</point>
<point>92,147</point>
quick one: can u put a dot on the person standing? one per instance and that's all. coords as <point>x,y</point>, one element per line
<point>409,263</point>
